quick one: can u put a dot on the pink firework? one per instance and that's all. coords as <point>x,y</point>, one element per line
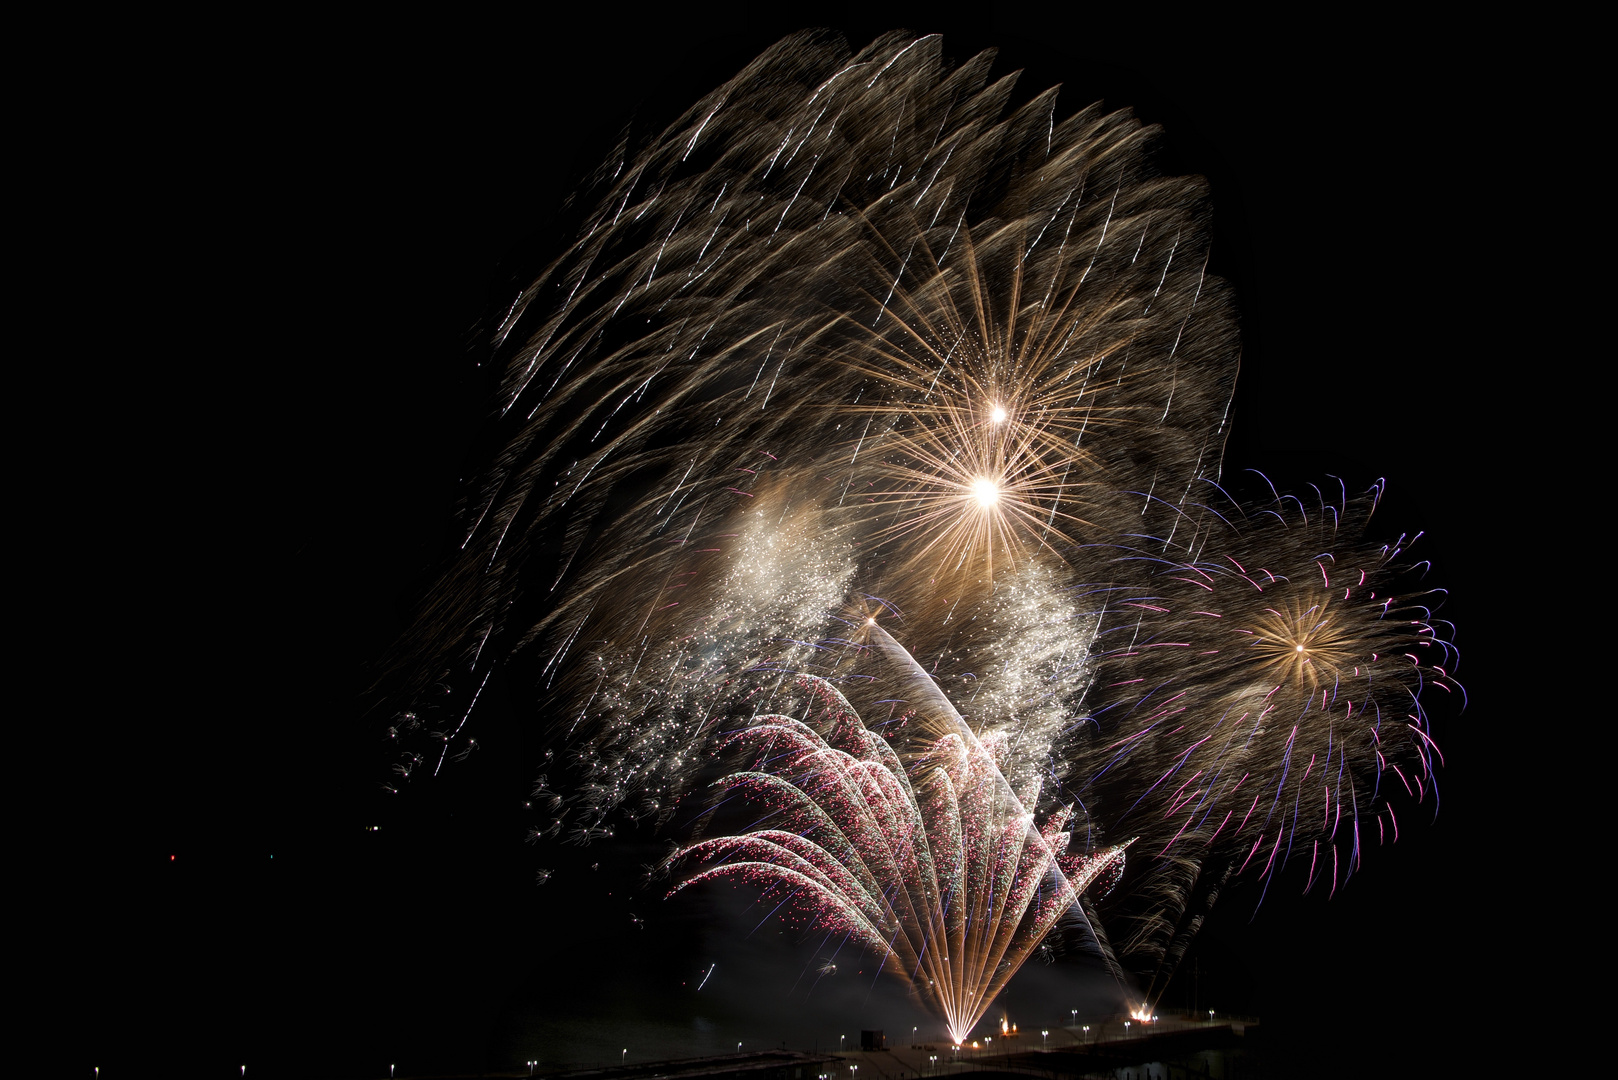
<point>931,861</point>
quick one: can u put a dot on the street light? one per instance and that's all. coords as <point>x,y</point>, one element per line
<point>840,1039</point>
<point>623,1057</point>
<point>1044,1037</point>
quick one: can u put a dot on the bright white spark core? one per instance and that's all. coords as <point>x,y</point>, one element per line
<point>999,414</point>
<point>986,492</point>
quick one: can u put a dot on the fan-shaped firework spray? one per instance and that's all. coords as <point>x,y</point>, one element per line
<point>937,867</point>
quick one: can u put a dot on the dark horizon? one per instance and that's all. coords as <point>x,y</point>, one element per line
<point>377,198</point>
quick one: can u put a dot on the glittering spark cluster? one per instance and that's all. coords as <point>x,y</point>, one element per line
<point>1258,689</point>
<point>855,342</point>
<point>936,865</point>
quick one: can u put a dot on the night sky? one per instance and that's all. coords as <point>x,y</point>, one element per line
<point>345,202</point>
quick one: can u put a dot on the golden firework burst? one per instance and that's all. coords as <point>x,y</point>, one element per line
<point>1303,642</point>
<point>981,416</point>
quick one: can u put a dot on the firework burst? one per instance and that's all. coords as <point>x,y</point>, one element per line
<point>1257,697</point>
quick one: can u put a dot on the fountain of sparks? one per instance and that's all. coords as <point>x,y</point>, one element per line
<point>929,860</point>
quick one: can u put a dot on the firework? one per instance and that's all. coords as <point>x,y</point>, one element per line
<point>937,866</point>
<point>850,342</point>
<point>1257,697</point>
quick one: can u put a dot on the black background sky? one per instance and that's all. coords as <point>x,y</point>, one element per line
<point>339,204</point>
